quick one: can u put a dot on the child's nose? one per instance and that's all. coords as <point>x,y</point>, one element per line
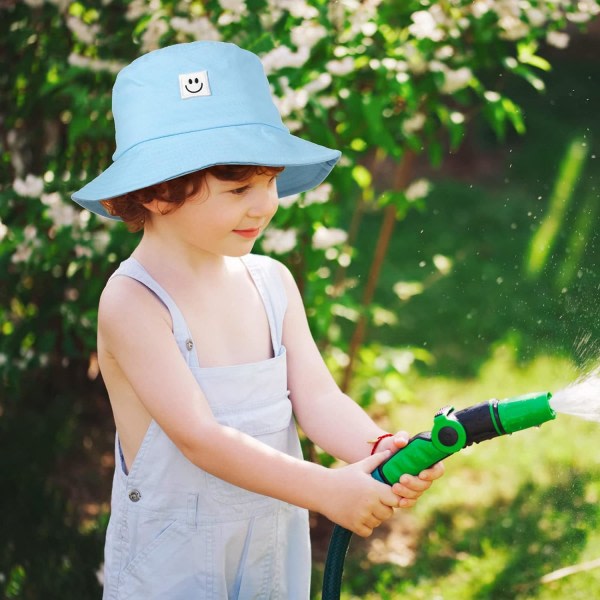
<point>264,203</point>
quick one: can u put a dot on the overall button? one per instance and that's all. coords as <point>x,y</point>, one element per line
<point>135,495</point>
<point>189,344</point>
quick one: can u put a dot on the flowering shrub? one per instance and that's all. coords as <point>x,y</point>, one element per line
<point>385,82</point>
<point>378,80</point>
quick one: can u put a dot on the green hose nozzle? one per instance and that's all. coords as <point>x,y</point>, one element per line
<point>453,431</point>
<point>522,412</point>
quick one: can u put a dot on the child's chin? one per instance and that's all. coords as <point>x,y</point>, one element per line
<point>238,254</point>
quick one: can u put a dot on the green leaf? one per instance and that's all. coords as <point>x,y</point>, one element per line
<point>530,77</point>
<point>526,55</point>
<point>513,112</point>
<point>362,176</point>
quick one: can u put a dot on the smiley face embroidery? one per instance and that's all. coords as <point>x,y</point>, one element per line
<point>191,82</point>
<point>192,85</point>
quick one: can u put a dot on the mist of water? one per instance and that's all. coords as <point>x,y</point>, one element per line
<point>581,398</point>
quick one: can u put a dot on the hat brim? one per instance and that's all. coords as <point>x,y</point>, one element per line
<point>306,164</point>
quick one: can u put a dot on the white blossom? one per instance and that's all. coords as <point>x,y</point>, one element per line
<point>319,195</point>
<point>3,230</point>
<point>513,28</point>
<point>437,66</point>
<point>95,64</point>
<point>138,8</point>
<point>61,214</point>
<point>328,101</point>
<point>359,14</point>
<point>279,241</point>
<point>557,39</point>
<point>425,26</point>
<point>200,28</point>
<point>31,186</point>
<point>481,7</point>
<point>339,68</point>
<point>293,124</point>
<point>227,18</point>
<point>325,237</point>
<point>415,60</point>
<point>151,37</point>
<point>414,123</point>
<point>34,3</point>
<point>297,8</point>
<point>492,96</point>
<point>383,396</point>
<point>25,248</point>
<point>86,33</point>
<point>589,6</point>
<point>579,17</point>
<point>307,34</point>
<point>282,57</point>
<point>405,290</point>
<point>236,6</point>
<point>288,201</point>
<point>82,251</point>
<point>444,52</point>
<point>507,8</point>
<point>417,189</point>
<point>456,80</point>
<point>320,83</point>
<point>290,100</point>
<point>442,263</point>
<point>457,117</point>
<point>100,240</point>
<point>536,17</point>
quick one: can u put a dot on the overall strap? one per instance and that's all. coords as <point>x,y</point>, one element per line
<point>132,268</point>
<point>265,274</point>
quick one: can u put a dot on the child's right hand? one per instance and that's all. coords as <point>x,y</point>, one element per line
<point>356,500</point>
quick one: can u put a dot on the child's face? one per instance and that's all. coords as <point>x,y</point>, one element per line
<point>224,217</point>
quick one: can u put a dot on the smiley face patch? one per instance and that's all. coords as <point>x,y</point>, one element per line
<point>194,84</point>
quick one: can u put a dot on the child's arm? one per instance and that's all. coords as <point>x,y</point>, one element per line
<point>329,417</point>
<point>135,330</point>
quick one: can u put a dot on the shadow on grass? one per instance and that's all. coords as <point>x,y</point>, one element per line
<point>499,551</point>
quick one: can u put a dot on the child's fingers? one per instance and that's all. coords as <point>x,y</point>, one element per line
<point>401,439</point>
<point>383,512</point>
<point>432,473</point>
<point>407,502</point>
<point>410,487</point>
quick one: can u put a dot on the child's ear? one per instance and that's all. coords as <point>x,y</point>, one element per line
<point>157,207</point>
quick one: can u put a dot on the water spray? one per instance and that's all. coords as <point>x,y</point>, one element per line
<point>451,432</point>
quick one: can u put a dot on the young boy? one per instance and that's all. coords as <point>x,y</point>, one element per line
<point>205,348</point>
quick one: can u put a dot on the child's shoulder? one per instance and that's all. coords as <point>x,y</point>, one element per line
<point>125,301</point>
<point>267,262</point>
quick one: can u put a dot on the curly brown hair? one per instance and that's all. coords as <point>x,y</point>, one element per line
<point>130,206</point>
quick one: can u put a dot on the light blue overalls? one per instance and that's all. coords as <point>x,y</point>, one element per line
<point>178,533</point>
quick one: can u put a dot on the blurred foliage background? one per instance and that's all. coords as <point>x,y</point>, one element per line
<point>452,255</point>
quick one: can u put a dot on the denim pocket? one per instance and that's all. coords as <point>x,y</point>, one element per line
<point>159,564</point>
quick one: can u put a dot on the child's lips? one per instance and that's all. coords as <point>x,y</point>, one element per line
<point>248,233</point>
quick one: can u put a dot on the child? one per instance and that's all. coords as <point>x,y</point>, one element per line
<point>199,342</point>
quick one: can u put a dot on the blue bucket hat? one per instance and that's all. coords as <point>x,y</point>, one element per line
<point>190,106</point>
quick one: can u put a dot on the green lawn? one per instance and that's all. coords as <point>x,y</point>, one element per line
<point>507,512</point>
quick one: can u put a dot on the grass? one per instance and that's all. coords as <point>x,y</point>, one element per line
<point>507,512</point>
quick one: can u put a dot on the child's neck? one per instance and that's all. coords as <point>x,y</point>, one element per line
<point>179,259</point>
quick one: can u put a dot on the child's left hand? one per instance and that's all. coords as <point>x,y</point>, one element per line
<point>410,487</point>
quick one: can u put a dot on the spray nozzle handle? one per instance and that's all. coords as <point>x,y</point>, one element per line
<point>448,433</point>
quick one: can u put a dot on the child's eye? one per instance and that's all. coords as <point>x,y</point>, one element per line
<point>240,191</point>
